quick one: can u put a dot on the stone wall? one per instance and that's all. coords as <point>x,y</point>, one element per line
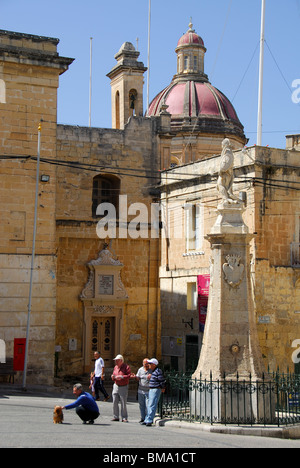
<point>29,72</point>
<point>277,289</point>
<point>277,298</point>
<point>130,155</point>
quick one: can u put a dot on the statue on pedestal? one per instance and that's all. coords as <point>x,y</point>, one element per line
<point>226,176</point>
<point>230,352</point>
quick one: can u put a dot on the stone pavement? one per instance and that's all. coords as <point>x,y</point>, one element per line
<point>26,421</point>
<point>290,432</point>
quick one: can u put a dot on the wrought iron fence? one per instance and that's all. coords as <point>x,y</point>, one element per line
<point>272,400</point>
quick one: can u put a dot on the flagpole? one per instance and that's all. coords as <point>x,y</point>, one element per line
<point>148,71</point>
<point>32,255</point>
<point>90,100</point>
<point>261,72</point>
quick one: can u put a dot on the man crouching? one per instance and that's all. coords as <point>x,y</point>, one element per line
<point>86,407</point>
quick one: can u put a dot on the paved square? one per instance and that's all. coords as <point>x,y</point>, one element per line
<point>26,421</point>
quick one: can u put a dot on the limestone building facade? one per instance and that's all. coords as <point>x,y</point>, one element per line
<point>266,180</point>
<point>80,168</point>
<point>29,74</point>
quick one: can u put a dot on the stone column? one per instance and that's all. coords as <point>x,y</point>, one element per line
<point>230,343</point>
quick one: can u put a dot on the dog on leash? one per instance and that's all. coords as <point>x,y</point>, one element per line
<point>58,415</point>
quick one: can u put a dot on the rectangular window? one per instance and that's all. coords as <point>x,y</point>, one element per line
<point>186,61</point>
<point>194,227</point>
<point>192,296</point>
<point>106,189</point>
<point>195,63</point>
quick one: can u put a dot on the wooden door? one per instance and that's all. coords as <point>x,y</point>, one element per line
<point>103,338</point>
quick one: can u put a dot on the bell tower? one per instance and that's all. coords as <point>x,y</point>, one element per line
<point>127,79</point>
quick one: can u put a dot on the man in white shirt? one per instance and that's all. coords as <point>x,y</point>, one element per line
<point>99,377</point>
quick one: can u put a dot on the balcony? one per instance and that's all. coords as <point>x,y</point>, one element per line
<point>295,255</point>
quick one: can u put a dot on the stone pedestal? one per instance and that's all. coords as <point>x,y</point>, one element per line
<point>230,343</point>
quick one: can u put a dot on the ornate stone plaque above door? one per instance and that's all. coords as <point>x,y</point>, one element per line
<point>104,297</point>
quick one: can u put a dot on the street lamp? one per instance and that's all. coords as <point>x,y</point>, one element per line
<point>32,255</point>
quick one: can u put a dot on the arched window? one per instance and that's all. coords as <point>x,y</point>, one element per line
<point>2,92</point>
<point>133,101</point>
<point>174,162</point>
<point>106,189</point>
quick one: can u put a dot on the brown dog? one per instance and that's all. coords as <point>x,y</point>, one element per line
<point>58,415</point>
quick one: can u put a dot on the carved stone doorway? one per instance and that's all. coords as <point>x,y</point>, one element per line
<point>104,303</point>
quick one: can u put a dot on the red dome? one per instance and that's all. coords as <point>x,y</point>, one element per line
<point>193,99</point>
<point>190,37</point>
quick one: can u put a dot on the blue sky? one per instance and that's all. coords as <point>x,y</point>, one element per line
<point>230,30</point>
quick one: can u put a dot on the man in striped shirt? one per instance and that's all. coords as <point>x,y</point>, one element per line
<point>157,385</point>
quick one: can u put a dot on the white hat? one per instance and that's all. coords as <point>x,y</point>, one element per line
<point>119,356</point>
<point>153,361</point>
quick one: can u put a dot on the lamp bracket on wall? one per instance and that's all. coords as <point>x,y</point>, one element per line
<point>191,323</point>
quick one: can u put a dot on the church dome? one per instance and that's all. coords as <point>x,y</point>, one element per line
<point>190,37</point>
<point>191,99</point>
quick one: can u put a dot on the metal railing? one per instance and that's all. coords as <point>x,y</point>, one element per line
<point>272,400</point>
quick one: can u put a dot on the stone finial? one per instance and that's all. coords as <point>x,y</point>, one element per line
<point>191,25</point>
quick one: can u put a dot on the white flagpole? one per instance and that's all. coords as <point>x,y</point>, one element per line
<point>148,71</point>
<point>90,101</point>
<point>32,255</point>
<point>261,72</point>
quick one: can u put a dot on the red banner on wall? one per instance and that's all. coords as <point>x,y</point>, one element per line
<point>203,292</point>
